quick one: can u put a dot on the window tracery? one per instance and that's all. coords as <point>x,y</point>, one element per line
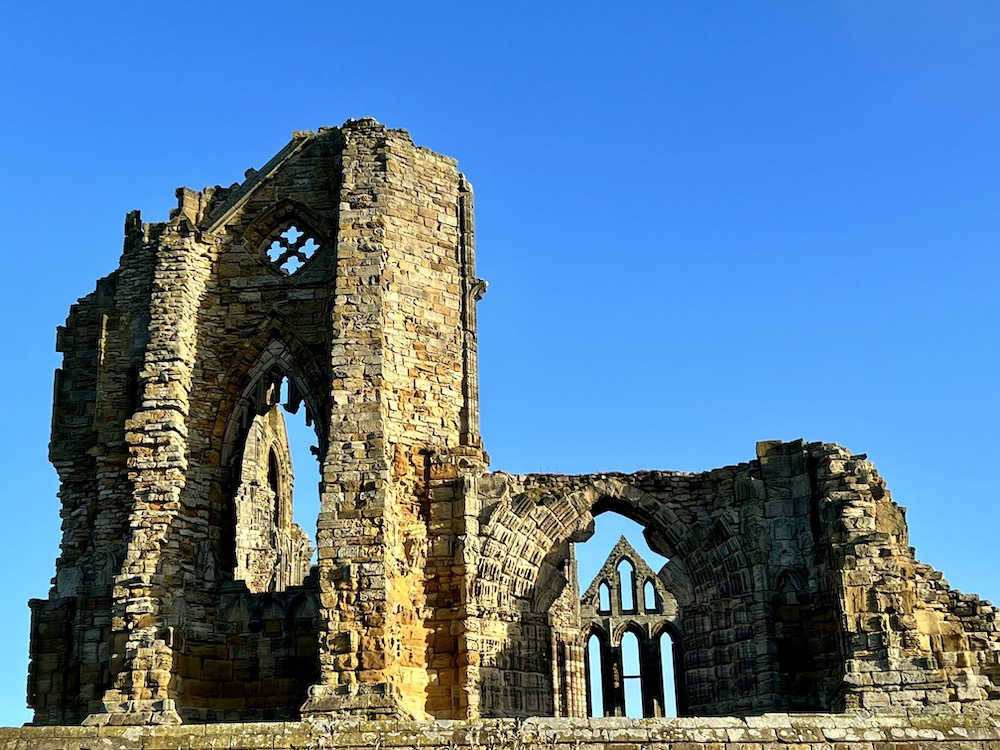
<point>630,654</point>
<point>290,249</point>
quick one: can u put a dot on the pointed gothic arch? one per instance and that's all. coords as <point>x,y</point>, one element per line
<point>279,359</point>
<point>596,656</point>
<point>272,360</point>
<point>536,518</point>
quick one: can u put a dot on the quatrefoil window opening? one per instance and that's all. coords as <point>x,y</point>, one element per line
<point>291,249</point>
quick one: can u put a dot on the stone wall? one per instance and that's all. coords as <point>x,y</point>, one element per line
<point>96,390</point>
<point>909,639</point>
<point>256,661</point>
<point>797,587</point>
<point>339,279</point>
<point>767,732</point>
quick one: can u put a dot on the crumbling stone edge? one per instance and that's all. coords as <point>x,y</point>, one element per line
<point>813,731</point>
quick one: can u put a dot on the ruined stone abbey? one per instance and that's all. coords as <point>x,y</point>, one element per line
<point>340,280</point>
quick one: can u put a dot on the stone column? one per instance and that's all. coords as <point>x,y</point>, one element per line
<point>403,406</point>
<point>473,290</point>
<point>651,671</point>
<point>356,641</point>
<point>143,611</point>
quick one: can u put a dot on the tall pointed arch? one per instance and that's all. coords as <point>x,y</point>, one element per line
<point>273,370</point>
<point>273,353</point>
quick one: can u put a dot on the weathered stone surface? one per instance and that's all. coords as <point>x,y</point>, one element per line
<point>340,279</point>
<point>802,732</point>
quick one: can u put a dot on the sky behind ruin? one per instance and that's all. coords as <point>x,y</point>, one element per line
<point>704,223</point>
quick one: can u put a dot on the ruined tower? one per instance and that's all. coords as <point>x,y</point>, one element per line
<point>339,280</point>
<point>342,274</point>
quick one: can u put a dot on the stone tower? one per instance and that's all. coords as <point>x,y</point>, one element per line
<point>341,274</point>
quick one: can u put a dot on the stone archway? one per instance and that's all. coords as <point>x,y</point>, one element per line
<point>526,536</point>
<point>273,363</point>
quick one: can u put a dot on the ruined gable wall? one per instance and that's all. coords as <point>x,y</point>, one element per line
<point>249,658</point>
<point>375,332</point>
<point>910,640</point>
<point>760,630</point>
<point>96,391</point>
<point>803,591</point>
<point>535,514</point>
<point>255,320</point>
<point>166,350</point>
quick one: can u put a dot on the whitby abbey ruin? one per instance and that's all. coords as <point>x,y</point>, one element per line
<point>339,281</point>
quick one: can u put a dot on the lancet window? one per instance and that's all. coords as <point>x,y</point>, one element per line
<point>270,551</point>
<point>628,634</point>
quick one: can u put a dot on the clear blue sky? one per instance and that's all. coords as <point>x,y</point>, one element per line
<point>703,223</point>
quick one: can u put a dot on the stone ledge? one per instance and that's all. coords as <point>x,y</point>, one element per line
<point>766,732</point>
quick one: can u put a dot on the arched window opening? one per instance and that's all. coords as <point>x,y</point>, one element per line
<point>609,529</point>
<point>272,549</point>
<point>642,605</point>
<point>595,678</point>
<point>649,597</point>
<point>626,586</point>
<point>302,445</point>
<point>631,675</point>
<point>604,598</point>
<point>669,674</point>
<point>272,471</point>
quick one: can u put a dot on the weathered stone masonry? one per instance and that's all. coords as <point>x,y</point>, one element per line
<point>340,279</point>
<point>767,732</point>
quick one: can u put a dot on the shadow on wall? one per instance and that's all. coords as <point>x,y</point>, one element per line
<point>258,663</point>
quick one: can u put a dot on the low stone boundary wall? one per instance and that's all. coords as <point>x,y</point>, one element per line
<point>767,732</point>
